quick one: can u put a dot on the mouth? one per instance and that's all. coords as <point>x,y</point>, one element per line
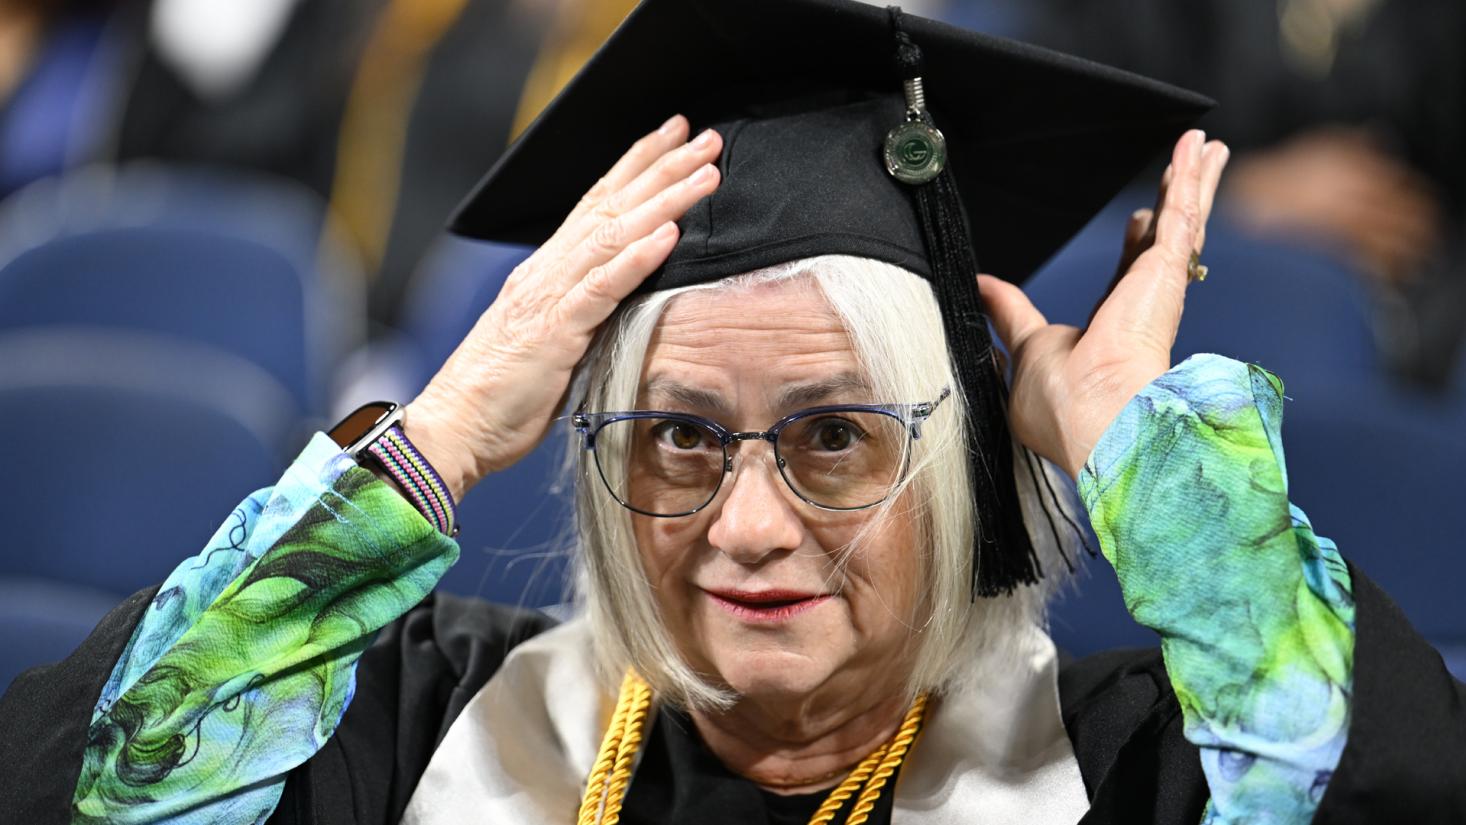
<point>766,606</point>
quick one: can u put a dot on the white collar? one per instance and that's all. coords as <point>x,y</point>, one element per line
<point>523,746</point>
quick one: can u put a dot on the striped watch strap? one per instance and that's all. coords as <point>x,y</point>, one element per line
<point>416,476</point>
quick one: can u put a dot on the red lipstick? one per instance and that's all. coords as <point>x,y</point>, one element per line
<point>766,606</point>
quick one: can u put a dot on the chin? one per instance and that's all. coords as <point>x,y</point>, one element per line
<point>785,660</point>
<point>759,672</point>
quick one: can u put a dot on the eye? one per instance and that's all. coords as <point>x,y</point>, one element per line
<point>836,434</point>
<point>678,434</point>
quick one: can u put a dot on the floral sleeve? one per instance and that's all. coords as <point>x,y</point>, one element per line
<point>1188,494</point>
<point>244,663</point>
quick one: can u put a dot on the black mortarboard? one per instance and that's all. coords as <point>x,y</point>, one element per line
<point>805,94</point>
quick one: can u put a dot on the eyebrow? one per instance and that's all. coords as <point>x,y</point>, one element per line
<point>663,391</point>
<point>845,384</point>
<point>666,392</point>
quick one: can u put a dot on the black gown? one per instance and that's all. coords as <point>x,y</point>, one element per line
<point>1405,760</point>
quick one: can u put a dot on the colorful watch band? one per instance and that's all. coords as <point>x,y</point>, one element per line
<point>416,476</point>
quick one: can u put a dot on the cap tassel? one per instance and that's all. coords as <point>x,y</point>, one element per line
<point>1004,557</point>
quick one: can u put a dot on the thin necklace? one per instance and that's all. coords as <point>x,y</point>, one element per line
<point>605,790</point>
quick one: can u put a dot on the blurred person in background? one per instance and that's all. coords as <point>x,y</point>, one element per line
<point>1348,119</point>
<point>383,108</point>
<point>256,86</point>
<point>441,88</point>
<point>50,111</point>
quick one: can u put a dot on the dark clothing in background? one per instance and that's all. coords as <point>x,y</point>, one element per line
<point>1398,70</point>
<point>459,125</point>
<point>282,121</point>
<point>1401,70</point>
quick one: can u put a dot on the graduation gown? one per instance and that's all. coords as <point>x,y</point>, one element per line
<point>1405,760</point>
<point>434,663</point>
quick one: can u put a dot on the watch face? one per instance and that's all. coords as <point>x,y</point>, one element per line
<point>356,426</point>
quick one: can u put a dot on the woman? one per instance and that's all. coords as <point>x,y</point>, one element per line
<point>843,623</point>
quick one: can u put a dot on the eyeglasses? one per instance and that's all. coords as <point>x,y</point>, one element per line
<point>669,464</point>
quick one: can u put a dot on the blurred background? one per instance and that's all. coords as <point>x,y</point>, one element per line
<point>220,230</point>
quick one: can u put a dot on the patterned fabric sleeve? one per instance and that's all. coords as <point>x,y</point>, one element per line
<point>1188,495</point>
<point>245,662</point>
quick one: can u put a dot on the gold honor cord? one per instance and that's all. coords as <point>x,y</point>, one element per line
<point>606,787</point>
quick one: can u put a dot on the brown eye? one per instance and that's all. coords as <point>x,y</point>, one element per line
<point>836,436</point>
<point>686,436</point>
<point>679,434</point>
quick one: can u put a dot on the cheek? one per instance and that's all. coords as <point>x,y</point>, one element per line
<point>883,579</point>
<point>668,548</point>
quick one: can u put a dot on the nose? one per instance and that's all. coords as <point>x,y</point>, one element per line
<point>756,518</point>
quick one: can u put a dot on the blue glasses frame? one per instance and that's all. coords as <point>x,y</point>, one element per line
<point>589,425</point>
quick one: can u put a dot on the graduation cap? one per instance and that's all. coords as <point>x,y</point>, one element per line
<point>850,129</point>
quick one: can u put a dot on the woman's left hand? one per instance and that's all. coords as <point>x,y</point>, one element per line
<point>1068,383</point>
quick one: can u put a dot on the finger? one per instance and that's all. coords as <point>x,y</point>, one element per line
<point>1214,159</point>
<point>1179,220</point>
<point>1148,299</point>
<point>666,172</point>
<point>591,301</point>
<point>616,234</point>
<point>641,155</point>
<point>1139,230</point>
<point>1160,203</point>
<point>1013,315</point>
<point>1139,235</point>
<point>1145,236</point>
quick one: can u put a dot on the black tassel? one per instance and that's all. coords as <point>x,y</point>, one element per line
<point>1004,558</point>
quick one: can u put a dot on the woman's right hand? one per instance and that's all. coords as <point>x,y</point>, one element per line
<point>493,400</point>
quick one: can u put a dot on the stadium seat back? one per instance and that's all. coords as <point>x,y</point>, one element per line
<point>134,450</point>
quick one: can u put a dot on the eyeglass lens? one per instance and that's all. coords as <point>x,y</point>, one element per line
<point>839,460</point>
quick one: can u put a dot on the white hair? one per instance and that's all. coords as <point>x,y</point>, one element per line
<point>895,329</point>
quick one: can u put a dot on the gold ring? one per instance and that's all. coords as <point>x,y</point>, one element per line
<point>1195,269</point>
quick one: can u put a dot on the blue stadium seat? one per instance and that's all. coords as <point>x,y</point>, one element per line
<point>221,259</point>
<point>43,622</point>
<point>1379,472</point>
<point>516,524</point>
<point>1290,308</point>
<point>457,281</point>
<point>127,451</point>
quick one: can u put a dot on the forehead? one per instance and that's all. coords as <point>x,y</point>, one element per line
<point>766,334</point>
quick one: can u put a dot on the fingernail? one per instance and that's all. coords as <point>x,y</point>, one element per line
<point>704,140</point>
<point>670,127</point>
<point>1198,143</point>
<point>701,176</point>
<point>1138,215</point>
<point>665,231</point>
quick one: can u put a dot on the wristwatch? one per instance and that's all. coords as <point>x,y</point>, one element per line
<point>374,433</point>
